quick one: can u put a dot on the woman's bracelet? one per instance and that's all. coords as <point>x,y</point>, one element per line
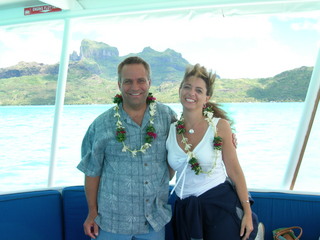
<point>246,201</point>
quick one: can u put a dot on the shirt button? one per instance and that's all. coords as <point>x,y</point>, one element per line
<point>146,164</point>
<point>146,182</point>
<point>146,223</point>
<point>147,200</point>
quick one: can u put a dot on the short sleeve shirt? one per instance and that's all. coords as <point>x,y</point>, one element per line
<point>133,190</point>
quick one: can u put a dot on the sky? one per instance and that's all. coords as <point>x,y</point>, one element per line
<point>233,47</point>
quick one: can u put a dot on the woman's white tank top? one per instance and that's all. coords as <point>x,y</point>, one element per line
<point>187,182</point>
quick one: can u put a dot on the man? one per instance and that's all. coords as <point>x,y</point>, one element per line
<point>124,162</point>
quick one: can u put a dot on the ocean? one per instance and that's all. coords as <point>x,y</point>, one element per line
<point>265,133</point>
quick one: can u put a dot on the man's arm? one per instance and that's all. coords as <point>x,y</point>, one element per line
<point>91,189</point>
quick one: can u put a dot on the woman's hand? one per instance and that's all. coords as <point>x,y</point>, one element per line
<point>246,227</point>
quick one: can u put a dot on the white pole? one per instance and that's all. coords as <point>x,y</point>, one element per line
<point>304,129</point>
<point>60,93</point>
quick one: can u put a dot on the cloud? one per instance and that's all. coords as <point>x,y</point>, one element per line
<point>306,25</point>
<point>243,46</point>
<point>37,42</point>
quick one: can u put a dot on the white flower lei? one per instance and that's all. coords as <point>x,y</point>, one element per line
<point>187,146</point>
<point>145,146</point>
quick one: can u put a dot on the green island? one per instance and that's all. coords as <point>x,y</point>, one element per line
<point>92,79</point>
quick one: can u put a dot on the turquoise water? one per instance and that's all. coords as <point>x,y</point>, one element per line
<point>265,133</point>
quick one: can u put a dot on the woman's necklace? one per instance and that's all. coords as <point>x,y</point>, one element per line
<point>217,142</point>
<point>150,131</point>
<point>191,131</point>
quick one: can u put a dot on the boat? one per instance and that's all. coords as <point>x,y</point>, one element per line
<point>58,213</point>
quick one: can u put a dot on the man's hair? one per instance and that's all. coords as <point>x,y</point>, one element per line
<point>133,60</point>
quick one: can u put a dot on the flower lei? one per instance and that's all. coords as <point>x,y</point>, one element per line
<point>150,131</point>
<point>217,141</point>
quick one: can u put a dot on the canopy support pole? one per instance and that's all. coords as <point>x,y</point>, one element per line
<point>313,114</point>
<point>60,94</point>
<point>307,118</point>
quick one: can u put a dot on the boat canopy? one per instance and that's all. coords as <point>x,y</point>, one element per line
<point>14,11</point>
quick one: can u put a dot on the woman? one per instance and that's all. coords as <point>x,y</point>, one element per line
<point>200,149</point>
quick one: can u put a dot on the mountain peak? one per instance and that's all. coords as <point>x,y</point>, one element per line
<point>97,51</point>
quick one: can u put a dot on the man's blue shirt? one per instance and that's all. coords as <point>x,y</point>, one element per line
<point>133,191</point>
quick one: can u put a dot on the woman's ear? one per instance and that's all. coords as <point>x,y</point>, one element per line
<point>207,99</point>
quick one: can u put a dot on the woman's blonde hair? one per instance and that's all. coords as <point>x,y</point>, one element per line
<point>209,78</point>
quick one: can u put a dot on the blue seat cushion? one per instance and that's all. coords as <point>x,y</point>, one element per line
<point>31,215</point>
<point>75,212</point>
<point>278,210</point>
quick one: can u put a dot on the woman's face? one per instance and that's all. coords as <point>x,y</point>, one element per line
<point>193,93</point>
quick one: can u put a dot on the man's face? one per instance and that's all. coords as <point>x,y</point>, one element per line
<point>134,85</point>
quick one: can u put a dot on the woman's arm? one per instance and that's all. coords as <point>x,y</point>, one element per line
<point>234,171</point>
<point>171,172</point>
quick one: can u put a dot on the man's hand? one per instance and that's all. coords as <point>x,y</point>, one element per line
<point>90,227</point>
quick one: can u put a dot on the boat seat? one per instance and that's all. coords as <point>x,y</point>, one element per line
<point>279,209</point>
<point>75,211</point>
<point>59,215</point>
<point>33,215</point>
